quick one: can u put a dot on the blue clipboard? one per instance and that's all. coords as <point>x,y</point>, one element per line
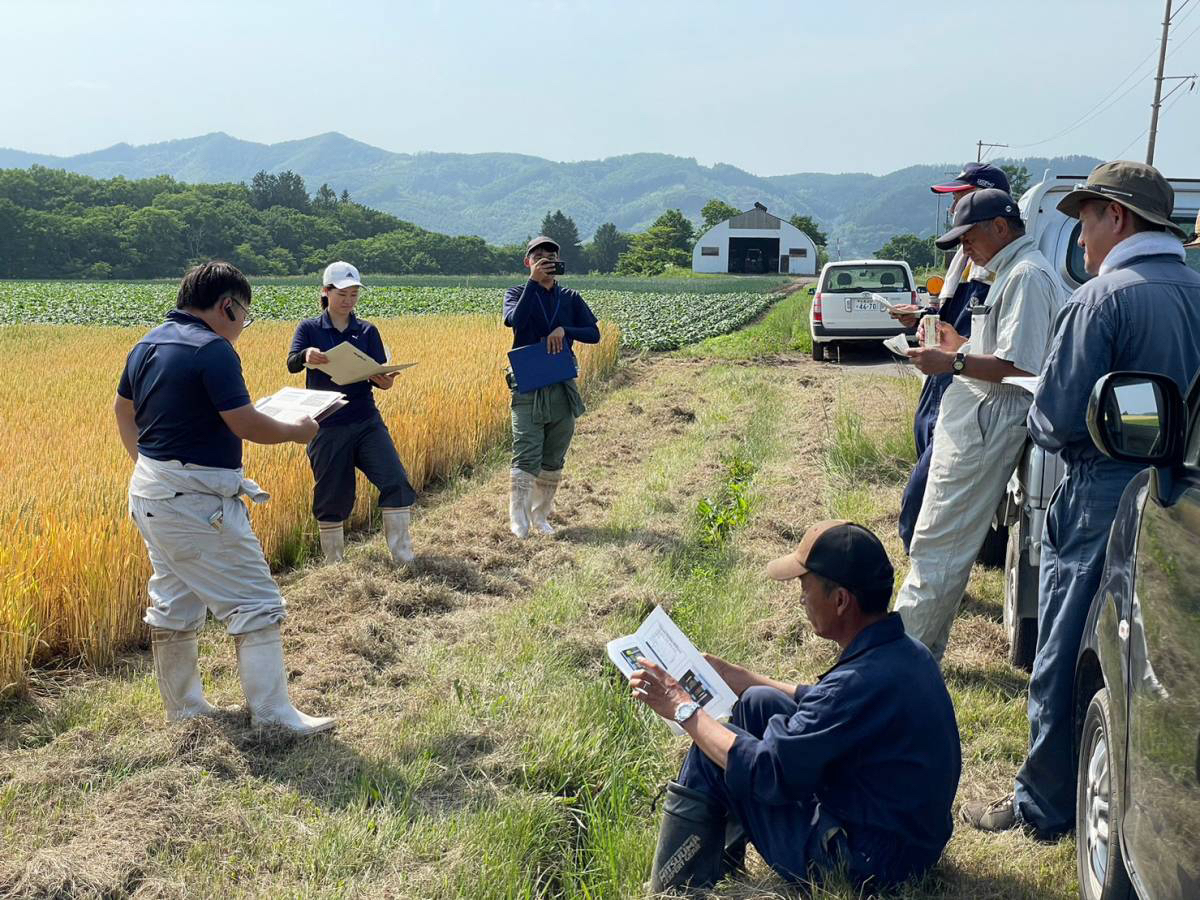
<point>535,368</point>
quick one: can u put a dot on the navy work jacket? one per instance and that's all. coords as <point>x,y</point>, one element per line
<point>181,376</point>
<point>320,333</point>
<point>532,312</point>
<point>875,742</point>
<point>1143,316</point>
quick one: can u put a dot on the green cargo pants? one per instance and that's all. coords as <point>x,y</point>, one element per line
<point>543,422</point>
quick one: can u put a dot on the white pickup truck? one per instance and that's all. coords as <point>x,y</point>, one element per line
<point>1023,510</point>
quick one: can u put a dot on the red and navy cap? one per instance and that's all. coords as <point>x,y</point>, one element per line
<point>845,553</point>
<point>974,175</point>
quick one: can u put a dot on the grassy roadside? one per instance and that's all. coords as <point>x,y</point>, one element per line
<point>486,747</point>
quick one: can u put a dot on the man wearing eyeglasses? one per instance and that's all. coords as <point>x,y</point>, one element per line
<point>182,411</point>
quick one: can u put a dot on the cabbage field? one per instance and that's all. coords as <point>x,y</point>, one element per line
<point>651,317</point>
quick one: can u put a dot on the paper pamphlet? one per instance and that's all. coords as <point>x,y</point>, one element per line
<point>884,301</point>
<point>292,404</point>
<point>659,640</point>
<point>347,364</point>
<point>898,344</point>
<point>1028,382</point>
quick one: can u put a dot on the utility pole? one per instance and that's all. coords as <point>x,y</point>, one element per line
<point>979,145</point>
<point>1158,80</point>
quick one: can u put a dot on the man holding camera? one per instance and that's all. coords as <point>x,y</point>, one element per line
<point>543,420</point>
<point>182,411</point>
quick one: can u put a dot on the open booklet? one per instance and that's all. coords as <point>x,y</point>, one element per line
<point>347,364</point>
<point>659,640</point>
<point>898,344</point>
<point>291,404</point>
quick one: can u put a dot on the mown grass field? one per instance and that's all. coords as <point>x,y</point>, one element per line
<point>486,748</point>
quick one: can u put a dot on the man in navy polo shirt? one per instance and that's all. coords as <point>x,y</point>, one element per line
<point>966,285</point>
<point>543,421</point>
<point>859,769</point>
<point>182,411</point>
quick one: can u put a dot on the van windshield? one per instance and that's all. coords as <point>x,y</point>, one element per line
<point>855,279</point>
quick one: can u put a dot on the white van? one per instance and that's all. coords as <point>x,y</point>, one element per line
<point>842,307</point>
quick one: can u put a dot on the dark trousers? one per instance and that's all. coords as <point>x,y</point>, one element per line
<point>1074,546</point>
<point>798,840</point>
<point>923,423</point>
<point>338,450</point>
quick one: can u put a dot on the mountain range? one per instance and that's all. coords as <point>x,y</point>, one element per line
<point>503,196</point>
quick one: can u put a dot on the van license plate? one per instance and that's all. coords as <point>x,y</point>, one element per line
<point>864,304</point>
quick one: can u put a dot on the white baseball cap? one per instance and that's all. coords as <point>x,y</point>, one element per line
<point>341,275</point>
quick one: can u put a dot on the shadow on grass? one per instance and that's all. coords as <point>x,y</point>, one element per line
<point>983,607</point>
<point>620,535</point>
<point>1007,682</point>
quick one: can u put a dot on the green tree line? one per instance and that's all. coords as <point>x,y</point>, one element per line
<point>55,224</point>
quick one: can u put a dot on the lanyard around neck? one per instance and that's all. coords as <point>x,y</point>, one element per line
<point>550,319</point>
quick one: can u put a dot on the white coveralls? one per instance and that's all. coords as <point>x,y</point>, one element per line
<point>204,553</point>
<point>977,442</point>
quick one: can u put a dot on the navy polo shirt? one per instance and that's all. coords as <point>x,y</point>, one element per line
<point>875,741</point>
<point>320,333</point>
<point>532,312</point>
<point>181,376</point>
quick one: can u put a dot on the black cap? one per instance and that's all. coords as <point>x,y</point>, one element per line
<point>974,175</point>
<point>976,207</point>
<point>539,241</point>
<point>845,553</point>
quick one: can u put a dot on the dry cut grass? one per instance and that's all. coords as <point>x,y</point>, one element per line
<point>72,566</point>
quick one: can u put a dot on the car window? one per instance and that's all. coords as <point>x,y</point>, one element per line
<point>1075,254</point>
<point>853,279</point>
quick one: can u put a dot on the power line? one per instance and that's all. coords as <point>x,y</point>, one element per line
<point>1099,107</point>
<point>1145,131</point>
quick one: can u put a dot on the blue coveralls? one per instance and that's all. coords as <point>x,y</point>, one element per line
<point>1143,316</point>
<point>861,766</point>
<point>955,312</point>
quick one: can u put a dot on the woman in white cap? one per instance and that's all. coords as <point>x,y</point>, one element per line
<point>353,437</point>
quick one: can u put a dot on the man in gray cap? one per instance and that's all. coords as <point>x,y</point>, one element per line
<point>543,421</point>
<point>1141,312</point>
<point>980,427</point>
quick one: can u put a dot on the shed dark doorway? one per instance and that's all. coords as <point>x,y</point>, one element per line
<point>753,256</point>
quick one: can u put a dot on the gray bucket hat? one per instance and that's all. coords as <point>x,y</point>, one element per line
<point>1136,186</point>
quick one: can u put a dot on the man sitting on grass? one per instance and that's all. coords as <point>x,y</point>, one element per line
<point>857,771</point>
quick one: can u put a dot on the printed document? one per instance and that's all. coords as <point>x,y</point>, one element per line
<point>291,404</point>
<point>898,344</point>
<point>347,364</point>
<point>659,640</point>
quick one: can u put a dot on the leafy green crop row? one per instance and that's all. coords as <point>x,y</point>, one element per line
<point>657,320</point>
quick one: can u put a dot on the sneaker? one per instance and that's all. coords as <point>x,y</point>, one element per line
<point>994,815</point>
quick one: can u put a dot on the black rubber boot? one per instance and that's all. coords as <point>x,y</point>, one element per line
<point>733,860</point>
<point>691,841</point>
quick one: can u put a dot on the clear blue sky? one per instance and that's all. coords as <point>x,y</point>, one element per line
<point>771,87</point>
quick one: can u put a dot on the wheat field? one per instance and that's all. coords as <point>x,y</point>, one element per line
<point>73,567</point>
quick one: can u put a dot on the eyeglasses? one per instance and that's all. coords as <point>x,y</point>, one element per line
<point>247,320</point>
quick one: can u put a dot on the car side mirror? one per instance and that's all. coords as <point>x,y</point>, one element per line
<point>1138,417</point>
<point>921,289</point>
<point>812,288</point>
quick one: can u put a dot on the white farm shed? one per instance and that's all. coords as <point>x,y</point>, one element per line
<point>754,242</point>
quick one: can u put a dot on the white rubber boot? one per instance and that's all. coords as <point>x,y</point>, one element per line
<point>544,488</point>
<point>175,666</point>
<point>333,541</point>
<point>519,500</point>
<point>396,520</point>
<point>264,681</point>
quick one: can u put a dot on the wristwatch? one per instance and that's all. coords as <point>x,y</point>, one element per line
<point>960,362</point>
<point>685,711</point>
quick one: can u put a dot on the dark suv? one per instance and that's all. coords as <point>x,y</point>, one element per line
<point>1137,683</point>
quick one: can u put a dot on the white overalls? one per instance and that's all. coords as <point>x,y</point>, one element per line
<point>977,442</point>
